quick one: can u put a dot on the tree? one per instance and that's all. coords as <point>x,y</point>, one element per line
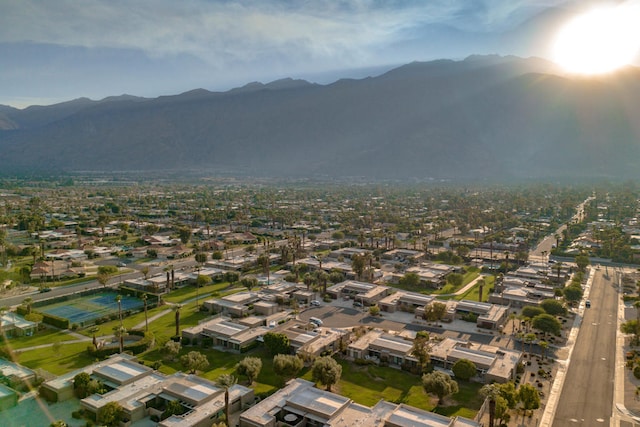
<point>172,348</point>
<point>177,308</point>
<point>27,303</point>
<point>491,392</point>
<point>185,234</point>
<point>632,327</point>
<point>287,365</point>
<point>409,280</point>
<point>276,343</point>
<point>440,384</point>
<point>250,367</point>
<point>231,277</point>
<point>529,397</point>
<point>111,414</point>
<point>435,311</point>
<point>374,310</point>
<point>146,319</point>
<point>249,282</point>
<point>531,311</point>
<point>194,361</point>
<point>174,407</point>
<point>464,369</point>
<point>358,263</point>
<point>201,257</point>
<point>547,324</point>
<point>81,384</point>
<point>573,293</point>
<point>226,381</point>
<point>326,371</point>
<point>34,317</point>
<point>582,261</point>
<point>421,349</point>
<point>455,279</point>
<point>553,307</point>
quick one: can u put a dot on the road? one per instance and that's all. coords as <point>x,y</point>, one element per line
<point>587,394</point>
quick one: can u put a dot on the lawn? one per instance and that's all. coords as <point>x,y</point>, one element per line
<point>46,336</point>
<point>368,384</point>
<point>469,276</point>
<point>187,293</point>
<point>68,358</point>
<point>473,293</point>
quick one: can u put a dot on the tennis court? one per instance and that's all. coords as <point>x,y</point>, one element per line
<point>88,308</point>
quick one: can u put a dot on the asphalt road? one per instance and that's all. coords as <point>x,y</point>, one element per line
<point>587,394</point>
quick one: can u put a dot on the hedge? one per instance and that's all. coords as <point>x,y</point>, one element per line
<point>58,322</point>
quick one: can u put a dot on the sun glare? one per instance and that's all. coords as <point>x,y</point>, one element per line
<point>599,41</point>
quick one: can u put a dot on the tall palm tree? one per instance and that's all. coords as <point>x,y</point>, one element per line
<point>226,381</point>
<point>491,392</point>
<point>119,301</point>
<point>146,320</point>
<point>177,308</point>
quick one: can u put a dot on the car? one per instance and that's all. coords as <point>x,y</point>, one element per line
<point>315,321</point>
<point>122,264</point>
<point>315,303</point>
<point>357,304</point>
<point>587,304</point>
<point>43,290</point>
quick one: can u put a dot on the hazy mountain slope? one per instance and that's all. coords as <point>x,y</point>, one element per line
<point>482,117</point>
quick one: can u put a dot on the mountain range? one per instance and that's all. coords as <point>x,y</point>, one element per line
<point>485,117</point>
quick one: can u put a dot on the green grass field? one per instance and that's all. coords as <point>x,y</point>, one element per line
<point>46,336</point>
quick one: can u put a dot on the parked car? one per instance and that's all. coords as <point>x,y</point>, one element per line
<point>587,304</point>
<point>315,303</point>
<point>357,304</point>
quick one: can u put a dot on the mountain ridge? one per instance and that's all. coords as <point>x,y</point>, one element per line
<point>483,117</point>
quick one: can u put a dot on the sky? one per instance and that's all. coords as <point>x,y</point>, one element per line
<point>54,51</point>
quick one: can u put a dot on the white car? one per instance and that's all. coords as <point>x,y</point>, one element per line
<point>315,303</point>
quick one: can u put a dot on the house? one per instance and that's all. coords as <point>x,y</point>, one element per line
<point>225,333</point>
<point>383,347</point>
<point>300,403</point>
<point>493,364</point>
<point>13,325</point>
<point>366,293</point>
<point>404,301</point>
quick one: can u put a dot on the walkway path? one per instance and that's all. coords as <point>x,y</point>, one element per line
<point>464,289</point>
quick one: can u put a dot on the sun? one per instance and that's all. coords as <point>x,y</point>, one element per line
<point>599,41</point>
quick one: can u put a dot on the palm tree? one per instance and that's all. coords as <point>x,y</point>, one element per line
<point>491,392</point>
<point>226,381</point>
<point>27,302</point>
<point>119,301</point>
<point>146,320</point>
<point>177,308</point>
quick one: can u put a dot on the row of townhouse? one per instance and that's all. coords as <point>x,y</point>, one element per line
<point>493,364</point>
<point>144,395</point>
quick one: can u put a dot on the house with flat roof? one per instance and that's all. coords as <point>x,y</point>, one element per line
<point>493,364</point>
<point>384,347</point>
<point>13,325</point>
<point>300,403</point>
<point>404,301</point>
<point>225,333</point>
<point>366,293</point>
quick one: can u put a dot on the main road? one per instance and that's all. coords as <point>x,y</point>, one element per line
<point>587,393</point>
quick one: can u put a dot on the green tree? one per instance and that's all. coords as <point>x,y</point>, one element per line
<point>421,349</point>
<point>440,384</point>
<point>177,308</point>
<point>81,384</point>
<point>249,282</point>
<point>632,327</point>
<point>491,392</point>
<point>374,310</point>
<point>287,365</point>
<point>573,293</point>
<point>111,414</point>
<point>435,311</point>
<point>531,311</point>
<point>547,323</point>
<point>172,349</point>
<point>409,280</point>
<point>185,234</point>
<point>276,343</point>
<point>358,264</point>
<point>194,361</point>
<point>582,261</point>
<point>174,407</point>
<point>553,307</point>
<point>326,371</point>
<point>250,367</point>
<point>529,397</point>
<point>231,277</point>
<point>464,369</point>
<point>201,257</point>
<point>146,319</point>
<point>225,382</point>
<point>455,279</point>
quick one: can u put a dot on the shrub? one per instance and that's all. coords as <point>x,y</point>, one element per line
<point>636,372</point>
